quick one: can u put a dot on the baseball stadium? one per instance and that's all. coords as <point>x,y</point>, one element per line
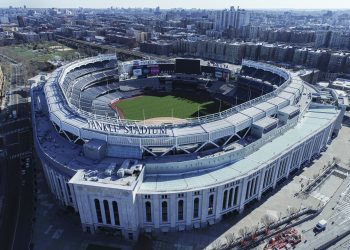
<point>149,146</point>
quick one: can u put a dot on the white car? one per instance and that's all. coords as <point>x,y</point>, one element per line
<point>321,225</point>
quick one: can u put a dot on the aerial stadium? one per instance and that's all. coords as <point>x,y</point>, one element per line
<point>159,146</point>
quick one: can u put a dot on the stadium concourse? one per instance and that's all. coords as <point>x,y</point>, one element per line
<point>172,173</point>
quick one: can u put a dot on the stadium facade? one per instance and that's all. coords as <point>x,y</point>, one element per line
<point>128,177</point>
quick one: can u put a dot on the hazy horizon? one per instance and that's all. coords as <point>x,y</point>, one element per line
<point>186,4</point>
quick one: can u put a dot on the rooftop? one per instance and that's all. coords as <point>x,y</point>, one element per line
<point>312,121</point>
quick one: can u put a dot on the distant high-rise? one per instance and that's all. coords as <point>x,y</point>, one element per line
<point>231,18</point>
<point>339,40</point>
<point>322,38</point>
<point>157,11</point>
<point>21,22</point>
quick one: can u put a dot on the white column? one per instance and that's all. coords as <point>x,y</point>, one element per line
<point>64,190</point>
<point>289,162</point>
<point>111,212</point>
<point>243,193</point>
<point>326,136</point>
<point>102,211</point>
<point>155,210</point>
<point>218,204</point>
<point>188,209</point>
<point>231,195</point>
<point>204,206</point>
<point>261,182</point>
<point>172,210</point>
<point>300,156</point>
<point>320,146</point>
<point>275,173</point>
<point>249,187</point>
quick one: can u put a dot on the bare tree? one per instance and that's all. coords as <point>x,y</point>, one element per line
<point>243,232</point>
<point>255,230</point>
<point>336,160</point>
<point>230,238</point>
<point>291,210</point>
<point>302,195</point>
<point>267,221</point>
<point>280,215</point>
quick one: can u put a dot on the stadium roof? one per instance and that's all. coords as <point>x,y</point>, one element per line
<point>313,121</point>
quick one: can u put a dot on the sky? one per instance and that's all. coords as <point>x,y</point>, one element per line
<point>166,4</point>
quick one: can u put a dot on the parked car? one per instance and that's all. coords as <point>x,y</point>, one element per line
<point>321,226</point>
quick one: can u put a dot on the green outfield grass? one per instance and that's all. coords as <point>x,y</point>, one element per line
<point>166,106</point>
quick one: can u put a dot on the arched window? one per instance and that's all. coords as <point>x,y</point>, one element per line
<point>196,208</point>
<point>180,210</point>
<point>211,204</point>
<point>224,200</point>
<point>148,211</point>
<point>98,211</point>
<point>108,215</point>
<point>116,213</point>
<point>164,211</point>
<point>236,196</point>
<point>256,184</point>
<point>230,196</point>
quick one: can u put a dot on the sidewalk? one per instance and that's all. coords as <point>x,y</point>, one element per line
<point>276,202</point>
<point>332,229</point>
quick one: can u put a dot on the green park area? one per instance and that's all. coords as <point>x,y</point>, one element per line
<point>36,57</point>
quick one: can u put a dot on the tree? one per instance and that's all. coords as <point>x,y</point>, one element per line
<point>291,210</point>
<point>336,160</point>
<point>243,232</point>
<point>254,231</point>
<point>280,215</point>
<point>230,239</point>
<point>267,221</point>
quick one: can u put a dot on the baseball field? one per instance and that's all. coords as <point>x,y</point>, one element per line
<point>177,105</point>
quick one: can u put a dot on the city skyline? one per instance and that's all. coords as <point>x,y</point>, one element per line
<point>251,4</point>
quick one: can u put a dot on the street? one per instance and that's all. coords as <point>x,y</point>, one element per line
<point>16,181</point>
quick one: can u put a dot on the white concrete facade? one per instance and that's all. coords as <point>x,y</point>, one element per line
<point>178,192</point>
<point>181,210</point>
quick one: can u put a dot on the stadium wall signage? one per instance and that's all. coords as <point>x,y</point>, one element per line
<point>132,129</point>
